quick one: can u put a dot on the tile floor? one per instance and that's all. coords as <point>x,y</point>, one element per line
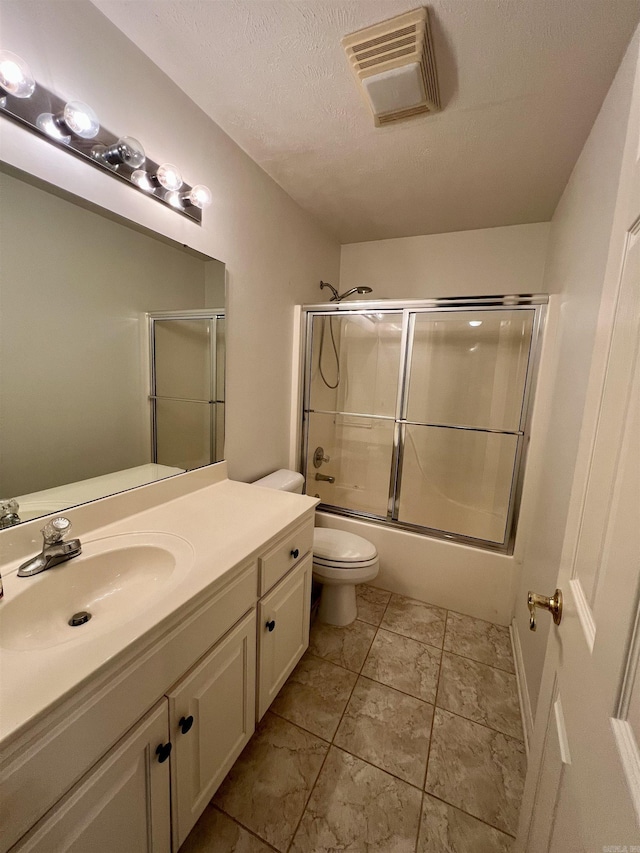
<point>397,734</point>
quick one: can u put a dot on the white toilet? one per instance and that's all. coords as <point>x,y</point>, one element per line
<point>340,560</point>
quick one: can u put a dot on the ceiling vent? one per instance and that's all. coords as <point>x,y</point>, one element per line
<point>395,66</point>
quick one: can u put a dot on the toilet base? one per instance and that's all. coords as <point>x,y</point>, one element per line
<point>338,604</point>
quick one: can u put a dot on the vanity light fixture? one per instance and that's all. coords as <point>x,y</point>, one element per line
<point>76,125</point>
<point>15,77</point>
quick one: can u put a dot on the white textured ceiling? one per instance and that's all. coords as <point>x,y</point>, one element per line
<point>521,83</point>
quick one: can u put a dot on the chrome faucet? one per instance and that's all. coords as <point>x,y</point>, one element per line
<point>9,513</point>
<point>325,478</point>
<point>54,550</point>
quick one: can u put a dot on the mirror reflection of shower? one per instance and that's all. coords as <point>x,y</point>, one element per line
<point>336,297</point>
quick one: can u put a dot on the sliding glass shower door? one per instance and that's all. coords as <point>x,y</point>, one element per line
<point>417,416</point>
<point>355,361</point>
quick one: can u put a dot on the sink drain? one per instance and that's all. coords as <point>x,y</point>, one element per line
<point>79,618</point>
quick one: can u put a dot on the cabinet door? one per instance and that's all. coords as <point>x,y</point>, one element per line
<point>211,718</point>
<point>121,804</point>
<point>283,631</point>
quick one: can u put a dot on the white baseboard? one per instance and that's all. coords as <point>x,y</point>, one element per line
<point>523,691</point>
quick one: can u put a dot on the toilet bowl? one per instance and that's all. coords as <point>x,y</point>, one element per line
<point>340,559</point>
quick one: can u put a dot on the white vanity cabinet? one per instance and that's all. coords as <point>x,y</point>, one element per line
<point>89,772</point>
<point>146,794</point>
<point>283,610</point>
<point>212,716</point>
<point>122,804</point>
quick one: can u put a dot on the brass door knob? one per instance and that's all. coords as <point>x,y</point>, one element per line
<point>553,605</point>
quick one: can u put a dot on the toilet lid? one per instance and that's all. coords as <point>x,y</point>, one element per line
<point>338,546</point>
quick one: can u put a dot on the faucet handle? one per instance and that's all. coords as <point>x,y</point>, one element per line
<point>55,530</point>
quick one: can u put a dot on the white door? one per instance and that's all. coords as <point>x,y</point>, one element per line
<point>583,787</point>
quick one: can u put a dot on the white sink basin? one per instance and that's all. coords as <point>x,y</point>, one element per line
<point>114,579</point>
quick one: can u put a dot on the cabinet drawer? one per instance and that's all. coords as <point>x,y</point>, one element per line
<point>284,554</point>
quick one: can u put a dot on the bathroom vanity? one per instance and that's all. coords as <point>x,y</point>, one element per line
<point>115,734</point>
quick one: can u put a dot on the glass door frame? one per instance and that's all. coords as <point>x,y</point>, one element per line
<point>409,309</point>
<point>212,315</point>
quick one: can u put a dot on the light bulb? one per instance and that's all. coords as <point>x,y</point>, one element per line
<point>200,196</point>
<point>81,120</point>
<point>475,322</point>
<point>175,199</point>
<point>169,177</point>
<point>15,76</point>
<point>47,123</point>
<point>126,151</point>
<point>141,179</point>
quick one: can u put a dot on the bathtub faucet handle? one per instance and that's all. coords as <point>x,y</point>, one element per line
<point>319,457</point>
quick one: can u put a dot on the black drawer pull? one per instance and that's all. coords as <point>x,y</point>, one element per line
<point>163,751</point>
<point>295,553</point>
<point>185,724</point>
<point>271,625</point>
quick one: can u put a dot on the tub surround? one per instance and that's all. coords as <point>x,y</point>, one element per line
<point>225,530</point>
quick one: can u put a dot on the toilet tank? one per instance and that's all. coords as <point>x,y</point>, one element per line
<point>283,480</point>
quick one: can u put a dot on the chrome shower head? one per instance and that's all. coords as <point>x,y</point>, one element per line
<point>359,290</point>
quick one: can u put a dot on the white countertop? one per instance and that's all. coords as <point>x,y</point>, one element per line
<point>225,524</point>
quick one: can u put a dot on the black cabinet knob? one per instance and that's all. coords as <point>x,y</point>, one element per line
<point>271,625</point>
<point>163,751</point>
<point>295,553</point>
<point>185,724</point>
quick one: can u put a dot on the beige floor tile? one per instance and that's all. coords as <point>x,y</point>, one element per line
<point>405,664</point>
<point>476,769</point>
<point>346,646</point>
<point>315,696</point>
<point>359,808</point>
<point>217,833</point>
<point>388,729</point>
<point>481,641</point>
<point>371,603</point>
<point>481,693</point>
<point>415,619</point>
<point>268,786</point>
<point>445,829</point>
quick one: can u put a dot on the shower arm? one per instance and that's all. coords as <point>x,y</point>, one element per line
<point>336,297</point>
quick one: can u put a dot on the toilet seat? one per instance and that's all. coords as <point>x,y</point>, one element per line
<point>338,548</point>
<point>344,565</point>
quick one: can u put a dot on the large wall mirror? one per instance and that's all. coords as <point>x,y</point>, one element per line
<point>80,292</point>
